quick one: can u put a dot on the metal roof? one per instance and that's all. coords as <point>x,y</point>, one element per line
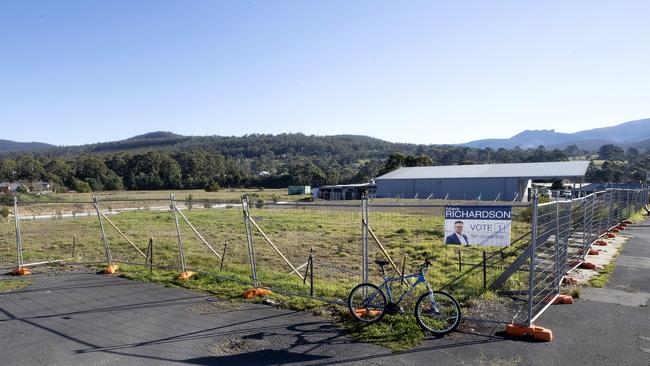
<point>528,170</point>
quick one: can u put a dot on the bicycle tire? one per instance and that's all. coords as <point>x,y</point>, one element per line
<point>442,319</point>
<point>358,303</point>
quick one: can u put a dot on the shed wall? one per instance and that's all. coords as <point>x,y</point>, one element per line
<point>455,188</point>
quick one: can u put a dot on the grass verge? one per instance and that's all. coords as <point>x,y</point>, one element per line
<point>13,285</point>
<point>602,278</point>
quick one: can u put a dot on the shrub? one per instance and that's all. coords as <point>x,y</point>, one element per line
<point>81,186</point>
<point>4,211</point>
<point>189,201</point>
<point>213,187</point>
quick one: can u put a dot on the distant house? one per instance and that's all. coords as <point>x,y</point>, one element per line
<point>39,186</point>
<point>36,187</point>
<point>8,187</point>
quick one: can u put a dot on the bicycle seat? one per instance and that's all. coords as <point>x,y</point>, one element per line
<point>381,262</point>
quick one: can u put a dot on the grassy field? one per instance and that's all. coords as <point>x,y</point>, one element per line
<point>334,235</point>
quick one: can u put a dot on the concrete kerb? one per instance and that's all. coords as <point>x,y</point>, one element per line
<point>606,254</point>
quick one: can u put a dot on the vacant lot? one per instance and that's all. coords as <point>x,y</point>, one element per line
<point>331,233</point>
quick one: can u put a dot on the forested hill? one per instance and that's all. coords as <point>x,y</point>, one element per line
<point>7,146</point>
<point>163,160</point>
<point>247,146</point>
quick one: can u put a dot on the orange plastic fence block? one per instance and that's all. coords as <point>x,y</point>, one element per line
<point>249,294</point>
<point>627,222</point>
<point>574,263</point>
<point>569,281</point>
<point>539,333</point>
<point>111,269</point>
<point>22,271</point>
<point>185,275</point>
<point>620,227</point>
<point>587,265</point>
<point>563,299</point>
<point>593,252</point>
<point>611,235</point>
<point>614,230</point>
<point>602,243</point>
<point>362,312</point>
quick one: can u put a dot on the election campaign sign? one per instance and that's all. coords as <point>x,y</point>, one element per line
<point>478,225</point>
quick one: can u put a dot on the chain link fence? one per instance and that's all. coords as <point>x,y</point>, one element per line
<point>562,235</point>
<point>321,250</point>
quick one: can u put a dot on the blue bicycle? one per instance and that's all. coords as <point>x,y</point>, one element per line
<point>435,311</point>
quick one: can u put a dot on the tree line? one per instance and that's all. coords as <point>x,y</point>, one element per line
<point>173,162</point>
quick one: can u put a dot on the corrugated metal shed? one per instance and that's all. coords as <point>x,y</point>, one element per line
<point>530,170</point>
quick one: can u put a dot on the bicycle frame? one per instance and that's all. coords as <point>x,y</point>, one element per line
<point>419,279</point>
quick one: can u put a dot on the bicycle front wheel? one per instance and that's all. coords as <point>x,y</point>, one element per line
<point>437,312</point>
<point>367,303</point>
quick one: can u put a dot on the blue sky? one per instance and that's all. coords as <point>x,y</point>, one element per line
<point>74,72</point>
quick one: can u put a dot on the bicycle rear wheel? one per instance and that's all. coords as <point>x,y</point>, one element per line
<point>367,303</point>
<point>438,312</point>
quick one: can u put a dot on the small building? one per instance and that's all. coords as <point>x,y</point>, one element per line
<point>39,186</point>
<point>502,182</point>
<point>299,190</point>
<point>347,191</point>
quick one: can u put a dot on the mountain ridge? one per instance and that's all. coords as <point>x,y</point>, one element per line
<point>627,134</point>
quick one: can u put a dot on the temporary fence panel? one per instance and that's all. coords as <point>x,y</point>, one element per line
<point>214,239</point>
<point>404,233</point>
<point>324,249</point>
<point>57,233</point>
<point>285,236</point>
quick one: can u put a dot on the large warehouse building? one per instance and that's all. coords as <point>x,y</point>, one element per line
<point>485,181</point>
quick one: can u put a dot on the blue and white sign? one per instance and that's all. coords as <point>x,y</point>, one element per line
<point>478,225</point>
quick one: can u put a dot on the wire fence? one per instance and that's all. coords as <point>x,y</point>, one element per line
<point>322,250</point>
<point>562,235</point>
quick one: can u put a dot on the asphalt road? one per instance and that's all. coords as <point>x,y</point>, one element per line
<point>87,319</point>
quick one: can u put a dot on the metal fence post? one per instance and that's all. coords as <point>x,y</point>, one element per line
<point>565,247</point>
<point>364,238</point>
<point>107,248</point>
<point>249,239</point>
<point>558,240</point>
<point>627,206</point>
<point>609,210</point>
<point>181,251</point>
<point>531,274</point>
<point>584,222</point>
<point>19,239</point>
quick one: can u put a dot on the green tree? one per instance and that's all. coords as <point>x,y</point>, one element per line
<point>610,152</point>
<point>28,168</point>
<point>213,187</point>
<point>7,169</point>
<point>80,186</point>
